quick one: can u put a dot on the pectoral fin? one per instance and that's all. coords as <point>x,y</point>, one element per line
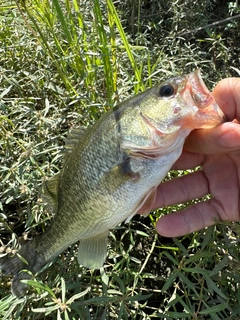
<point>92,252</point>
<point>117,176</point>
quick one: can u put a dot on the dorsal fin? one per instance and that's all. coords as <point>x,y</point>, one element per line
<point>50,191</point>
<point>72,140</point>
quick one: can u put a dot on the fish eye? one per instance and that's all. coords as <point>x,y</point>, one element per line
<point>166,90</point>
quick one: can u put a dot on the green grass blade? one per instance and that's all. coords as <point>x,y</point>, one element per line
<point>127,46</point>
<point>104,47</point>
<point>63,21</point>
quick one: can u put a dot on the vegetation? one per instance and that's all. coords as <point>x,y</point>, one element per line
<point>64,63</point>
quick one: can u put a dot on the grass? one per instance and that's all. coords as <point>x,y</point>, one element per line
<point>63,64</point>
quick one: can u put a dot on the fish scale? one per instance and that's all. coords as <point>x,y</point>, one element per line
<point>111,171</point>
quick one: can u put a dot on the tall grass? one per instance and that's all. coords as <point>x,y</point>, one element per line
<point>62,64</point>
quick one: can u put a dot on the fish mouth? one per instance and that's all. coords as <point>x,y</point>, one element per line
<point>208,108</point>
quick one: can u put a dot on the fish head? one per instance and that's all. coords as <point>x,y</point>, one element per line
<point>183,101</point>
<point>168,112</point>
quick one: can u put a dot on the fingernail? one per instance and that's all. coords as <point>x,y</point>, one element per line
<point>229,140</point>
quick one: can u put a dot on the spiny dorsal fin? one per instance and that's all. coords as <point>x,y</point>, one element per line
<point>50,191</point>
<point>72,140</point>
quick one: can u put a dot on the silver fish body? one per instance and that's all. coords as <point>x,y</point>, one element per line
<point>111,171</point>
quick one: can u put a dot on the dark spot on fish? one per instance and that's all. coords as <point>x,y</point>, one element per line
<point>176,110</point>
<point>117,114</point>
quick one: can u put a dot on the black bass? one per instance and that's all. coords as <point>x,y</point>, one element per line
<point>111,171</point>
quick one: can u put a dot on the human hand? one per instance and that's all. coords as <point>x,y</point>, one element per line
<point>217,150</point>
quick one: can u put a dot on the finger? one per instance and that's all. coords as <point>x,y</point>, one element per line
<point>182,189</point>
<point>226,94</point>
<point>221,139</point>
<point>188,160</point>
<point>196,217</point>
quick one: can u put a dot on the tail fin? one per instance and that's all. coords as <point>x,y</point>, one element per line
<point>11,265</point>
<point>26,259</point>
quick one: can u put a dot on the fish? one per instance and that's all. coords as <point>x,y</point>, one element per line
<point>111,172</point>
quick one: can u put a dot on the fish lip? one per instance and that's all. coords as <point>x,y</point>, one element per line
<point>204,99</point>
<point>199,91</point>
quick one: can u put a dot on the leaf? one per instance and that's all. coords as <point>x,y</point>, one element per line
<point>213,286</point>
<point>78,295</point>
<point>139,297</point>
<point>215,309</point>
<point>171,279</point>
<point>40,286</point>
<point>219,266</point>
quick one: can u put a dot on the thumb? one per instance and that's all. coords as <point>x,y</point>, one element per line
<point>221,139</point>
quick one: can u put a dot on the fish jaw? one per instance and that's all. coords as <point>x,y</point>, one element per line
<point>208,114</point>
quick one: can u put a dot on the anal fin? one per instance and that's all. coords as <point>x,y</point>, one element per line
<point>92,252</point>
